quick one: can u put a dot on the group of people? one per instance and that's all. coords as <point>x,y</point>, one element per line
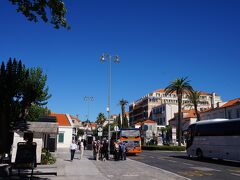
<point>100,150</point>
<point>120,150</point>
<point>74,146</point>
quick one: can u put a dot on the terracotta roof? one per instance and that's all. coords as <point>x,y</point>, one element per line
<point>92,124</point>
<point>231,103</point>
<point>149,121</point>
<point>61,119</point>
<point>139,123</point>
<point>75,118</point>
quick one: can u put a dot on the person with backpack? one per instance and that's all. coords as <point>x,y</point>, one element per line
<point>124,151</point>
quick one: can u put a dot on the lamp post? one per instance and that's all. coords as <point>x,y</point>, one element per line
<point>115,58</point>
<point>88,99</point>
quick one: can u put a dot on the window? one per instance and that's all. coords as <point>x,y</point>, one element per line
<point>238,113</point>
<point>229,114</point>
<point>61,137</point>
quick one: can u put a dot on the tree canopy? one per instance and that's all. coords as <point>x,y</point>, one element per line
<point>53,11</point>
<point>179,86</point>
<point>20,88</point>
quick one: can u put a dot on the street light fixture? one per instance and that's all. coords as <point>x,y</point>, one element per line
<point>115,58</point>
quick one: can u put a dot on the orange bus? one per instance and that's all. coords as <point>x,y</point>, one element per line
<point>131,137</point>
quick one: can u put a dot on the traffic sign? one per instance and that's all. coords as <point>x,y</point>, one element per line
<point>116,128</point>
<point>100,129</point>
<point>99,133</point>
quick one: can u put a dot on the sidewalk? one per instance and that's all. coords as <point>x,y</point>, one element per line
<point>88,169</point>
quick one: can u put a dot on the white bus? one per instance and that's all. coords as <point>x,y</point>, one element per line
<point>216,138</point>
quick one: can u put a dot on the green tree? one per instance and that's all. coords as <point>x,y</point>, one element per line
<point>53,11</point>
<point>180,86</point>
<point>35,112</point>
<point>194,97</point>
<point>125,122</point>
<point>118,121</point>
<point>101,119</point>
<point>123,104</point>
<point>20,87</point>
<point>80,132</point>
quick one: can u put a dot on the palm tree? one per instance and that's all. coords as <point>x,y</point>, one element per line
<point>123,103</point>
<point>100,119</point>
<point>180,86</point>
<point>194,97</point>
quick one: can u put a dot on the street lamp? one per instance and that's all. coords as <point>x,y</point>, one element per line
<point>115,58</point>
<point>88,99</point>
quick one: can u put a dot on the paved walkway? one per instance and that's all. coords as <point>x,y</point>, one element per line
<point>88,169</point>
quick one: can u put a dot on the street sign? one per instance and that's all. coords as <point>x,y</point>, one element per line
<point>99,133</point>
<point>116,128</point>
<point>100,129</point>
<point>145,127</point>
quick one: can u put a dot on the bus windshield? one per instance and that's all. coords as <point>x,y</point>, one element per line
<point>130,133</point>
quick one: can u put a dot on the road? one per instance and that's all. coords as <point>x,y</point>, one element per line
<point>179,163</point>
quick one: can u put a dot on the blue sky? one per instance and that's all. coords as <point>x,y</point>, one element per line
<point>157,41</point>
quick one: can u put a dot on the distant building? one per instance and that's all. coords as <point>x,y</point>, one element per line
<point>189,117</point>
<point>228,110</point>
<point>66,129</point>
<point>142,109</point>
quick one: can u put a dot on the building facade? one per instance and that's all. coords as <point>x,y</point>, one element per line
<point>142,109</point>
<point>228,110</point>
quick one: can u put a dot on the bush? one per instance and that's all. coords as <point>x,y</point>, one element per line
<point>164,148</point>
<point>47,157</point>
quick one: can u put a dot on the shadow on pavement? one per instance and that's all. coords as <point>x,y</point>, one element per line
<point>212,161</point>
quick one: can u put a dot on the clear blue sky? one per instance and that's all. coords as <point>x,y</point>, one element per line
<point>156,40</point>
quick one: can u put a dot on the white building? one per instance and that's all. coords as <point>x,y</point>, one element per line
<point>163,113</point>
<point>228,110</point>
<point>142,109</point>
<point>65,130</point>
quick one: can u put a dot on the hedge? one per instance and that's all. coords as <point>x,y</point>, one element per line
<point>164,148</point>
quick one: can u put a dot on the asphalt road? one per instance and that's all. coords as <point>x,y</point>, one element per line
<point>179,163</point>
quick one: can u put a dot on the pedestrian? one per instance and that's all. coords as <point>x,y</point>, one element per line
<point>98,146</point>
<point>94,147</point>
<point>105,150</point>
<point>73,148</point>
<point>120,151</point>
<point>124,151</point>
<point>85,144</point>
<point>81,148</point>
<point>116,151</point>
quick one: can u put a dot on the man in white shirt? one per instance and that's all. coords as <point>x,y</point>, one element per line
<point>73,148</point>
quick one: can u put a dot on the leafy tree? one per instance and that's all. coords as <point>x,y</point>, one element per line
<point>20,87</point>
<point>118,121</point>
<point>194,97</point>
<point>180,86</point>
<point>125,122</point>
<point>123,103</point>
<point>39,9</point>
<point>80,132</point>
<point>35,112</point>
<point>101,119</point>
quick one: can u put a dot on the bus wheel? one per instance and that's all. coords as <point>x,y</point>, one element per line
<point>199,154</point>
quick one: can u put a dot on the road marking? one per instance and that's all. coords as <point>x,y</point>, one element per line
<point>172,161</point>
<point>130,175</point>
<point>188,164</point>
<point>195,173</point>
<point>235,174</point>
<point>163,170</point>
<point>204,168</point>
<point>235,170</point>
